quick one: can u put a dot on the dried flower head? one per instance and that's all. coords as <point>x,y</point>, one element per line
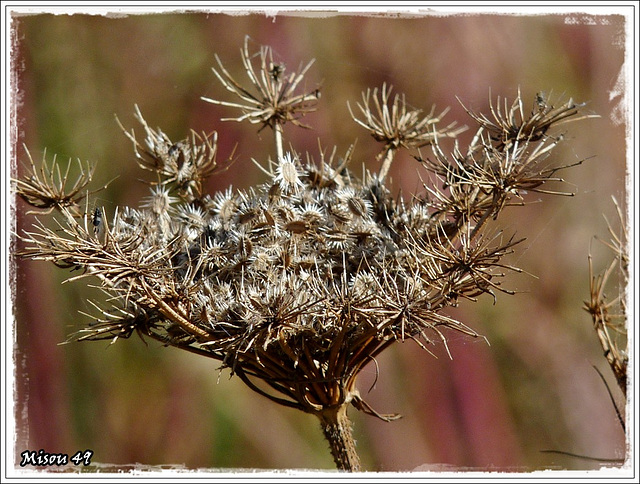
<point>398,127</point>
<point>46,188</point>
<point>185,164</point>
<point>274,100</point>
<point>609,315</point>
<point>510,123</point>
<point>297,284</point>
<point>287,174</point>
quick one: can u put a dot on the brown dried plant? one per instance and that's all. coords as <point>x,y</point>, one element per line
<point>299,283</point>
<point>274,101</point>
<point>397,127</point>
<point>46,188</point>
<point>610,315</point>
<point>609,318</point>
<point>511,124</point>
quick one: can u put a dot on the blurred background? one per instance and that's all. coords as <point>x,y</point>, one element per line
<point>494,406</point>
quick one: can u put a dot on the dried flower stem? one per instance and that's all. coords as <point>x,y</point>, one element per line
<point>277,132</point>
<point>336,428</point>
<point>389,154</point>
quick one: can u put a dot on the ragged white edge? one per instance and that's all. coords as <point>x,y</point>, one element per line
<point>8,275</point>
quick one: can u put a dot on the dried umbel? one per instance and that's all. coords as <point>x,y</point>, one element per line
<point>295,285</point>
<point>47,188</point>
<point>274,100</point>
<point>609,315</point>
<point>398,127</point>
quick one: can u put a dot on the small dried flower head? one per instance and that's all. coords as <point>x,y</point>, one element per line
<point>398,126</point>
<point>47,187</point>
<point>354,202</point>
<point>274,100</point>
<point>511,124</point>
<point>225,205</point>
<point>312,213</point>
<point>160,201</point>
<point>192,220</point>
<point>287,174</point>
<point>185,164</point>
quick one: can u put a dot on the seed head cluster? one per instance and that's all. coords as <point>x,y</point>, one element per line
<point>298,283</point>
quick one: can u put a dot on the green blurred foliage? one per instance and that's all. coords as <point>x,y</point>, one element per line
<point>491,407</point>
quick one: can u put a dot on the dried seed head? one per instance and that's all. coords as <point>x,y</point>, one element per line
<point>272,99</point>
<point>225,205</point>
<point>301,281</point>
<point>364,284</point>
<point>354,202</point>
<point>312,213</point>
<point>287,174</point>
<point>192,220</point>
<point>47,188</point>
<point>185,164</point>
<point>510,124</point>
<point>159,202</point>
<point>340,213</point>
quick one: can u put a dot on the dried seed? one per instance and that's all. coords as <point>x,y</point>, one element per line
<point>297,226</point>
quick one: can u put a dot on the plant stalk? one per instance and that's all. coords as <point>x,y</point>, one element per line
<point>277,131</point>
<point>336,427</point>
<point>386,163</point>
